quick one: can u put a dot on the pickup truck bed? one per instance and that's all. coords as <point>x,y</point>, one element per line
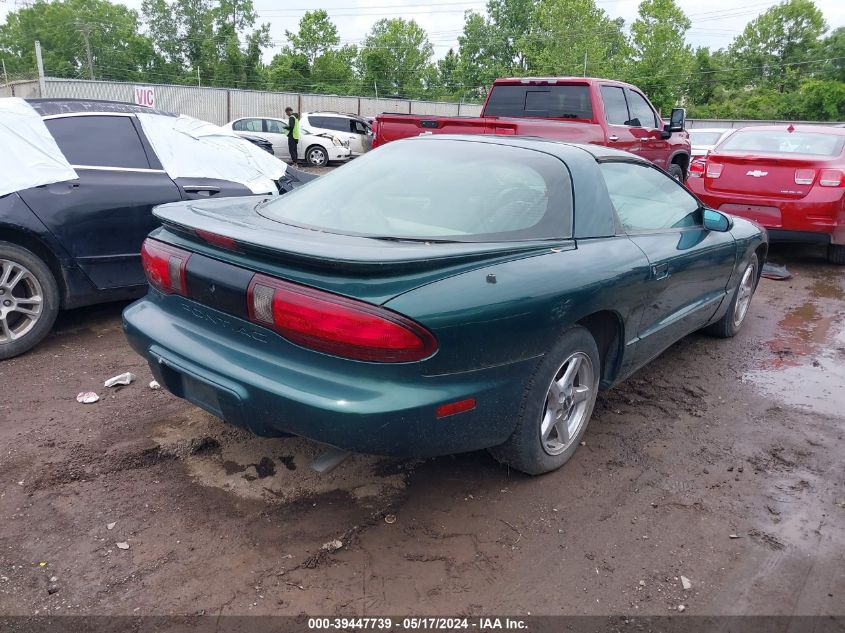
<point>572,109</point>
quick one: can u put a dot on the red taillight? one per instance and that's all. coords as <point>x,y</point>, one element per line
<point>445,410</point>
<point>714,170</point>
<point>805,176</point>
<point>164,266</point>
<point>696,168</point>
<point>336,325</point>
<point>217,240</point>
<point>830,177</point>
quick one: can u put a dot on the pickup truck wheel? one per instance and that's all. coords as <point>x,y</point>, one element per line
<point>676,171</point>
<point>557,406</point>
<point>29,300</point>
<point>729,324</point>
<point>316,156</point>
<point>836,254</point>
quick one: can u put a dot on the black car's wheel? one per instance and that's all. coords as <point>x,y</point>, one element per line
<point>732,321</point>
<point>316,156</point>
<point>557,406</point>
<point>676,171</point>
<point>29,300</point>
<point>836,254</point>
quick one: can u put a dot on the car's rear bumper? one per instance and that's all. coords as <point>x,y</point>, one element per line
<point>253,378</point>
<point>819,216</point>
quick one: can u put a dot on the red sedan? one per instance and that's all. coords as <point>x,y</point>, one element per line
<point>790,179</point>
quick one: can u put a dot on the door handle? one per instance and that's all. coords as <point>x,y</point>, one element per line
<point>660,271</point>
<point>612,138</point>
<point>201,189</point>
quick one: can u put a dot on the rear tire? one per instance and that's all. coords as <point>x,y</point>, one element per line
<point>556,407</point>
<point>732,320</point>
<point>29,300</point>
<point>836,254</point>
<point>316,156</point>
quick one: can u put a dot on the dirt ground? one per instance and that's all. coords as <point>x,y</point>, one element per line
<point>720,462</point>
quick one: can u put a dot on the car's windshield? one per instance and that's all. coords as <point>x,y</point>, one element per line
<point>704,138</point>
<point>784,142</point>
<point>437,189</point>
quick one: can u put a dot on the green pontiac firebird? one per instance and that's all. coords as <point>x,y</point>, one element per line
<point>440,294</point>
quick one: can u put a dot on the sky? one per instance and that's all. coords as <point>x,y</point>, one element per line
<point>714,23</point>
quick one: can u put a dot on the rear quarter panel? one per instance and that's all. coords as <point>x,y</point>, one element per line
<point>516,310</point>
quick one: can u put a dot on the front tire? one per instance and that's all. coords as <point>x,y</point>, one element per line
<point>29,300</point>
<point>732,320</point>
<point>316,156</point>
<point>557,405</point>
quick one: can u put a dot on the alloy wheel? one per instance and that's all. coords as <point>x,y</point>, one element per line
<point>746,290</point>
<point>567,403</point>
<point>317,157</point>
<point>21,301</point>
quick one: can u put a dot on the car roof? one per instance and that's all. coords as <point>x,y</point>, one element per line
<point>561,149</point>
<point>711,129</point>
<point>49,107</point>
<point>585,81</point>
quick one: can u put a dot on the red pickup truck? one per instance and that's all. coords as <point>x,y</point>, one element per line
<point>575,109</point>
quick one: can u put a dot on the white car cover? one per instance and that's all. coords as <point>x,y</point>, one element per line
<point>29,156</point>
<point>190,148</point>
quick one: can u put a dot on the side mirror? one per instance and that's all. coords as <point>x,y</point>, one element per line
<point>716,221</point>
<point>677,120</point>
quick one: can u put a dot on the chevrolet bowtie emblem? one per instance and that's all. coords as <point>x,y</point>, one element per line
<point>756,173</point>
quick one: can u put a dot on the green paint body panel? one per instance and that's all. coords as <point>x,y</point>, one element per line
<point>495,309</point>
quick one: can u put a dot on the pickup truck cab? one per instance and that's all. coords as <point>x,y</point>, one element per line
<point>573,109</point>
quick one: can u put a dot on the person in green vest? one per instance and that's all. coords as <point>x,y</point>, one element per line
<point>293,136</point>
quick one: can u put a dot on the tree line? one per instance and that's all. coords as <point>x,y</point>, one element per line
<point>786,63</point>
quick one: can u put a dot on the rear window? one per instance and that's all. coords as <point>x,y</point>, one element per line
<point>552,102</point>
<point>704,138</point>
<point>784,142</point>
<point>437,189</point>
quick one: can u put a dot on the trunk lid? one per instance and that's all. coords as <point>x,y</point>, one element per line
<point>761,175</point>
<point>370,269</point>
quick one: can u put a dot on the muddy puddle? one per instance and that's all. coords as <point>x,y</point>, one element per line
<point>806,365</point>
<point>273,469</point>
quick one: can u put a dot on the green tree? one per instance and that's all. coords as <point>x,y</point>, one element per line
<point>317,35</point>
<point>478,58</point>
<point>215,38</point>
<point>833,49</point>
<point>118,50</point>
<point>820,100</point>
<point>774,47</point>
<point>566,33</point>
<point>396,58</point>
<point>661,56</point>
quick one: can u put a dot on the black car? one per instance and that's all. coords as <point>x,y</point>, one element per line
<point>78,242</point>
<point>263,143</point>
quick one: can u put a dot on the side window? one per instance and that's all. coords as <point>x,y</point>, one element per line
<point>317,121</point>
<point>247,125</point>
<point>646,199</point>
<point>336,123</point>
<point>615,107</point>
<point>641,113</point>
<point>358,127</point>
<point>99,141</point>
<point>275,127</point>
